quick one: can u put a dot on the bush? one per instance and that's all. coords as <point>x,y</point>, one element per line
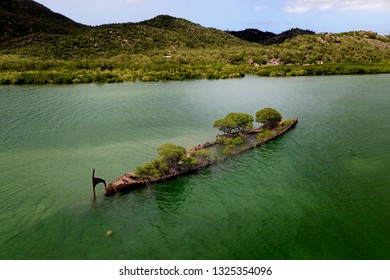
<point>286,123</point>
<point>171,158</point>
<point>230,140</point>
<point>229,150</point>
<point>264,134</point>
<point>171,154</point>
<point>189,162</point>
<point>151,170</point>
<point>201,154</point>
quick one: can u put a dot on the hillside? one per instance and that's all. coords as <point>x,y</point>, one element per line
<point>19,18</point>
<point>129,38</point>
<point>269,38</point>
<point>328,48</point>
<point>28,27</point>
<point>39,47</point>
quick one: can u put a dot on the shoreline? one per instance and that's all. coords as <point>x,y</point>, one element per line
<point>188,73</point>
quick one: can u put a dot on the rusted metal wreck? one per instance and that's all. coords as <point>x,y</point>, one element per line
<point>130,181</point>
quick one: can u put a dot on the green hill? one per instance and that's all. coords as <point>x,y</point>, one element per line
<point>269,38</point>
<point>76,41</point>
<point>326,48</point>
<point>19,18</point>
<point>40,46</point>
<point>30,28</point>
<point>128,38</point>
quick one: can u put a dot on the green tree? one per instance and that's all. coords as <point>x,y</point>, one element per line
<point>234,123</point>
<point>171,158</point>
<point>225,125</point>
<point>269,117</point>
<point>150,170</point>
<point>243,121</point>
<point>171,154</point>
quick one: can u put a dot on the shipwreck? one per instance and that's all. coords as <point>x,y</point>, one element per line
<point>176,161</point>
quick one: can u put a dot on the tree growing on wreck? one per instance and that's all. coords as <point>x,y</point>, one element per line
<point>171,158</point>
<point>269,117</point>
<point>201,154</point>
<point>234,123</point>
<point>175,157</point>
<point>154,169</point>
<point>171,154</point>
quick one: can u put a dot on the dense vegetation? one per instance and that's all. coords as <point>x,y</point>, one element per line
<point>41,47</point>
<point>236,127</point>
<point>172,159</point>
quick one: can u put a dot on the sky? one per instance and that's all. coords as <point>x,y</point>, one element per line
<point>266,15</point>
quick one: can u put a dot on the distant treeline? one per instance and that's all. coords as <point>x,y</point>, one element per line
<point>70,73</point>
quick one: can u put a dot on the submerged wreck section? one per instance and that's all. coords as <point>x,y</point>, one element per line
<point>198,157</point>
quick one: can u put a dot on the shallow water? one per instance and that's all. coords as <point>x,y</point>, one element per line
<point>321,191</point>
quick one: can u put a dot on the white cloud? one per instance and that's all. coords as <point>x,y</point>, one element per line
<point>296,9</point>
<point>301,6</point>
<point>260,8</point>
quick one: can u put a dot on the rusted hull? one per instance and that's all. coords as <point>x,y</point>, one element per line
<point>125,183</point>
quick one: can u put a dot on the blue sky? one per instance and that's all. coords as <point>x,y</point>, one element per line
<point>275,16</point>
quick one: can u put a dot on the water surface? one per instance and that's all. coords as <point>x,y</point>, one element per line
<point>322,191</point>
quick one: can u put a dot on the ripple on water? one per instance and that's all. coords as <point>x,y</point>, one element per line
<point>318,192</point>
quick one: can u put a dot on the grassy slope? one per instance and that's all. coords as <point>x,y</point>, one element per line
<point>161,33</point>
<point>19,18</point>
<point>138,51</point>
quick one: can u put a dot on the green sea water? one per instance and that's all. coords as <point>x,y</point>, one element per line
<point>322,191</point>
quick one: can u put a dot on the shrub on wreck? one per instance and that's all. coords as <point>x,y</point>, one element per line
<point>154,169</point>
<point>171,154</point>
<point>229,150</point>
<point>230,140</point>
<point>171,158</point>
<point>269,117</point>
<point>265,133</point>
<point>201,154</point>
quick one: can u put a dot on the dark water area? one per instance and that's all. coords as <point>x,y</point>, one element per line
<point>321,191</point>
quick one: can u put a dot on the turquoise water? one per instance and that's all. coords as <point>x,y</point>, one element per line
<point>321,191</point>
